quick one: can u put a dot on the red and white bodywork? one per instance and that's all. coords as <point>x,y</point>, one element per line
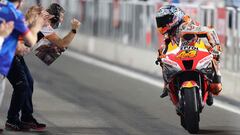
<point>188,69</point>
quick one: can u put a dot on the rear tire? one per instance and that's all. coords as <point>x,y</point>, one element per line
<point>191,110</point>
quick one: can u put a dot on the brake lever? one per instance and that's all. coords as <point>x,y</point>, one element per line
<point>158,61</point>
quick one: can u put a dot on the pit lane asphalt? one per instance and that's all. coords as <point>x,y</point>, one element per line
<point>76,98</point>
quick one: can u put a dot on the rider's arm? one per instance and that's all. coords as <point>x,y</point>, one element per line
<point>214,41</point>
<point>211,41</point>
<point>162,51</point>
<point>207,34</point>
<point>211,36</point>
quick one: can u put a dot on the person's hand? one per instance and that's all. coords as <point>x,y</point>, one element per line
<point>216,54</point>
<point>46,16</point>
<point>75,24</point>
<point>21,49</point>
<point>42,19</point>
<point>6,28</point>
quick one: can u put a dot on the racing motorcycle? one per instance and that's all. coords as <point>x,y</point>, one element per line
<point>188,70</point>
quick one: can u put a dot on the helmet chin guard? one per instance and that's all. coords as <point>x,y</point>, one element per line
<point>168,17</point>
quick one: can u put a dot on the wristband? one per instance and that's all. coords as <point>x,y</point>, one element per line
<point>1,42</point>
<point>74,31</point>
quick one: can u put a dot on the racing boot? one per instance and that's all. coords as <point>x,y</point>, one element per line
<point>209,99</point>
<point>164,93</point>
<point>214,89</point>
<point>216,86</point>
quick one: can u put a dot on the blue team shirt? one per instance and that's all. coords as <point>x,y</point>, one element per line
<point>9,12</point>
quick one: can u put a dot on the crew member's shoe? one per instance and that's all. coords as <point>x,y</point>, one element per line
<point>15,125</point>
<point>33,124</point>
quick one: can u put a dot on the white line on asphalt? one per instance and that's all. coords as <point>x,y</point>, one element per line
<point>139,76</point>
<point>227,106</point>
<point>114,68</point>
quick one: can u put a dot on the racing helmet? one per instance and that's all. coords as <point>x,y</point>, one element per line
<point>168,17</point>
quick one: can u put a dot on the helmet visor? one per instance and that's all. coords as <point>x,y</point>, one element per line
<point>164,20</point>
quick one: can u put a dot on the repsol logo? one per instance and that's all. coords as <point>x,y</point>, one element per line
<point>187,48</point>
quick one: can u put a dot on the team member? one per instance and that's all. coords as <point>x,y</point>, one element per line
<point>22,95</point>
<point>5,30</point>
<point>9,12</point>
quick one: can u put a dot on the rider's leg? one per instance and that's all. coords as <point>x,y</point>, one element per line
<point>165,89</point>
<point>216,86</point>
<point>164,92</point>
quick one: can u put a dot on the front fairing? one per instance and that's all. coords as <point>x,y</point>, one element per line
<point>170,69</point>
<point>186,58</point>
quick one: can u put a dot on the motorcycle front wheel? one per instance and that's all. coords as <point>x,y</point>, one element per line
<point>191,110</point>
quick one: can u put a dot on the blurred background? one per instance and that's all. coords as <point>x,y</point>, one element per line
<point>124,32</point>
<point>132,23</point>
<point>127,29</point>
<point>107,100</point>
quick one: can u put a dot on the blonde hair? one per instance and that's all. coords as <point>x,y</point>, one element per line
<point>32,13</point>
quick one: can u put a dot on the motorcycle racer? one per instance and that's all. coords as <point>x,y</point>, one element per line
<point>172,22</point>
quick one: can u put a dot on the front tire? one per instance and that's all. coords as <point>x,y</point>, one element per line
<point>191,110</point>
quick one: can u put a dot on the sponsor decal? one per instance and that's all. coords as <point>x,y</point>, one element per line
<point>187,54</point>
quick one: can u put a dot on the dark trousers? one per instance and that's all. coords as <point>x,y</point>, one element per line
<point>22,83</point>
